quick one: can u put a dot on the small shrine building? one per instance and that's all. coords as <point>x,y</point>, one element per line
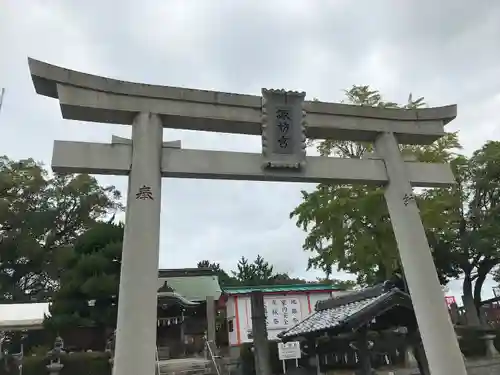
<point>286,306</point>
<point>363,330</point>
<point>187,309</point>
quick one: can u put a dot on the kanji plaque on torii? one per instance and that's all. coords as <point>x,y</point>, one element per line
<point>283,129</point>
<point>278,116</point>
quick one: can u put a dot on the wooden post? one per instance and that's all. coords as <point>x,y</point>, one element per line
<point>213,353</point>
<point>210,319</point>
<point>259,330</point>
<point>182,334</point>
<point>415,342</point>
<point>362,344</point>
<point>410,360</point>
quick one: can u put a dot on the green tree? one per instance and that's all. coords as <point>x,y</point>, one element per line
<point>224,278</point>
<point>260,272</point>
<point>342,284</point>
<point>285,279</point>
<point>89,283</point>
<point>41,215</point>
<point>464,220</point>
<point>349,226</point>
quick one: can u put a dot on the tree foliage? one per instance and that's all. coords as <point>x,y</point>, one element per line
<point>41,215</point>
<point>260,272</point>
<point>464,220</point>
<point>88,294</point>
<point>90,281</point>
<point>349,226</point>
<point>224,278</point>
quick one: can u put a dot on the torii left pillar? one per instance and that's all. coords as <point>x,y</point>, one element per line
<point>137,305</point>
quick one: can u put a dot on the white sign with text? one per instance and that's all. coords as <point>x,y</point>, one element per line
<point>282,312</point>
<point>289,350</point>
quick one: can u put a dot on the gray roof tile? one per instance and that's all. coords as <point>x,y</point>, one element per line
<point>329,318</point>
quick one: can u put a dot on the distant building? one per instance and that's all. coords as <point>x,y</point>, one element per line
<point>22,316</point>
<point>286,306</point>
<point>182,310</point>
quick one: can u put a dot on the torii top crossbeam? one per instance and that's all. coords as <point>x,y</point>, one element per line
<point>87,97</point>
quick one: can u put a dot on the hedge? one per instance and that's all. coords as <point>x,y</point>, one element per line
<point>247,359</point>
<point>97,363</point>
<point>94,363</point>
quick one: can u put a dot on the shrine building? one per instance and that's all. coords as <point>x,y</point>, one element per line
<point>286,305</point>
<point>187,308</point>
<point>190,301</point>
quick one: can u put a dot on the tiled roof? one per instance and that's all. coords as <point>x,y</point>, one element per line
<point>338,312</point>
<point>192,287</point>
<point>185,272</point>
<point>280,288</point>
<point>329,318</point>
<point>172,297</point>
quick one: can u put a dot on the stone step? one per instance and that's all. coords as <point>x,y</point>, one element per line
<point>195,366</point>
<point>163,353</point>
<point>185,366</point>
<point>189,372</point>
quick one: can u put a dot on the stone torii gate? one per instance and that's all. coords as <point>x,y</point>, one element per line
<point>284,120</point>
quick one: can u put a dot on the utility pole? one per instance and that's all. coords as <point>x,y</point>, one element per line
<point>1,97</point>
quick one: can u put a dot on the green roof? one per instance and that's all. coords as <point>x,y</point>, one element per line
<point>279,288</point>
<point>194,285</point>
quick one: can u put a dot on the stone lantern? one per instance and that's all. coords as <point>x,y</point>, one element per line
<point>55,366</point>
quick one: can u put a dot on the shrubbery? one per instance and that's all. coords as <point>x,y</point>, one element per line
<point>95,363</point>
<point>247,359</point>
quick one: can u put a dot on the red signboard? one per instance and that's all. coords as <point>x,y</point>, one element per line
<point>450,300</point>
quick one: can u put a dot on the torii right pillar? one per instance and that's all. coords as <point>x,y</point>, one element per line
<point>434,322</point>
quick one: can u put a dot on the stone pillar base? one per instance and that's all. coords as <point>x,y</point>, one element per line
<point>55,368</point>
<point>491,351</point>
<point>458,339</point>
<point>410,360</point>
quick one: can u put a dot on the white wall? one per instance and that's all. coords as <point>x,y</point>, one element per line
<point>22,315</point>
<point>283,310</point>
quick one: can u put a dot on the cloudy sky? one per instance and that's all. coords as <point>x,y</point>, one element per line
<point>447,51</point>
